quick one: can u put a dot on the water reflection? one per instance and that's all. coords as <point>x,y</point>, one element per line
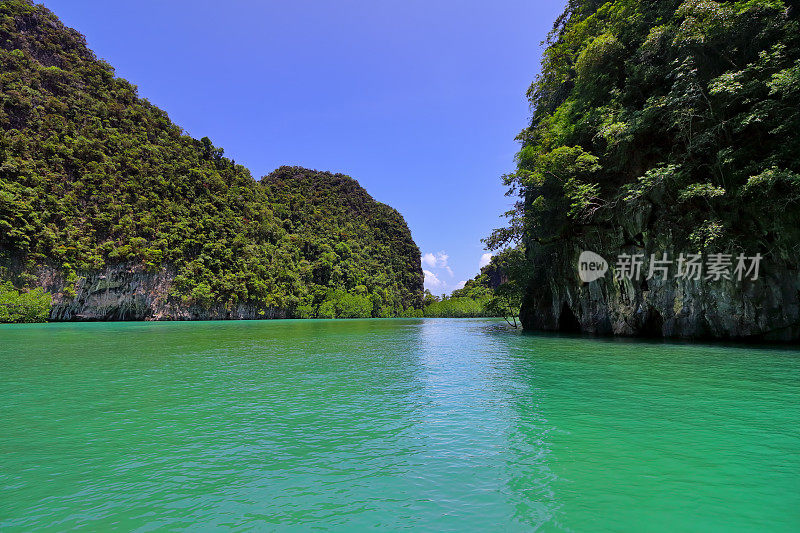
<point>485,409</point>
<point>432,424</point>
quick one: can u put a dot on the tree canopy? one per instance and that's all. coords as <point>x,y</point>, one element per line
<point>91,174</point>
<point>674,121</point>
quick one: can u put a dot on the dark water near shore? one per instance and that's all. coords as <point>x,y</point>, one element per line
<point>433,424</point>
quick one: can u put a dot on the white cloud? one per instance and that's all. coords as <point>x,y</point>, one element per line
<point>432,282</point>
<point>485,259</point>
<point>460,284</point>
<point>438,260</point>
<point>437,265</point>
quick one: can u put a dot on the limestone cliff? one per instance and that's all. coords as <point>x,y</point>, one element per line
<point>126,291</point>
<point>764,309</point>
<point>663,127</point>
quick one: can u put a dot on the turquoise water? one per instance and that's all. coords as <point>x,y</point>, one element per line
<point>431,424</point>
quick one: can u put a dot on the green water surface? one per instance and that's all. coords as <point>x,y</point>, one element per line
<point>451,425</point>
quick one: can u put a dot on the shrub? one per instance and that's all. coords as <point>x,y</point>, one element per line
<point>30,306</point>
<point>458,307</point>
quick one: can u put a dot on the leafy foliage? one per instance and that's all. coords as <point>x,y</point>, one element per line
<point>31,306</point>
<point>507,297</point>
<point>672,119</point>
<point>91,175</point>
<point>457,307</point>
<point>347,240</point>
<point>495,292</point>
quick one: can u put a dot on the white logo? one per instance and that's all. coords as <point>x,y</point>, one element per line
<point>591,267</point>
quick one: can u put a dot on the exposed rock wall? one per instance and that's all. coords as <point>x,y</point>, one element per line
<point>129,292</point>
<point>764,309</point>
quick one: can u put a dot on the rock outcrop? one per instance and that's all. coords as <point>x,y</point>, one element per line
<point>764,309</point>
<point>127,291</point>
<point>662,127</point>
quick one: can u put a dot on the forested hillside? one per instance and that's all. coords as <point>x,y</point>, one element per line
<point>663,127</point>
<point>97,183</point>
<point>346,240</point>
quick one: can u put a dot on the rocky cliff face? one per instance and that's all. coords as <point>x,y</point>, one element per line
<point>657,127</point>
<point>127,291</point>
<point>764,309</point>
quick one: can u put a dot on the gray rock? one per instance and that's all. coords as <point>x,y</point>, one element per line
<point>127,291</point>
<point>764,309</point>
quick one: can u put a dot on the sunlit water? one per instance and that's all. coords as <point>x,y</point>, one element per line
<point>430,424</point>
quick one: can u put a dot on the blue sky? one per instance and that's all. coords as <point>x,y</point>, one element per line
<point>419,101</point>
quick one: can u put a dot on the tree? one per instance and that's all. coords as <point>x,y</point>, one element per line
<point>671,123</point>
<point>30,306</point>
<point>429,298</point>
<point>507,297</point>
<point>506,302</point>
<point>91,175</point>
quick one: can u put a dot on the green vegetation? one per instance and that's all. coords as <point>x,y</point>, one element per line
<point>345,240</point>
<point>492,293</point>
<point>456,307</point>
<point>92,175</point>
<point>672,122</point>
<point>15,306</point>
<point>507,295</point>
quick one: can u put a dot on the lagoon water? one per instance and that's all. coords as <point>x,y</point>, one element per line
<point>430,424</point>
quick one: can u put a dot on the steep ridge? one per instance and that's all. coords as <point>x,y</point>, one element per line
<point>664,128</point>
<point>111,207</point>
